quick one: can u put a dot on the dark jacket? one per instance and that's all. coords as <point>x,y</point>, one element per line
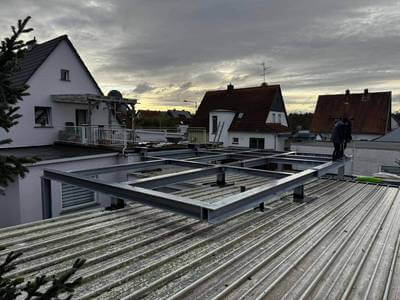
<point>338,133</point>
<point>347,131</point>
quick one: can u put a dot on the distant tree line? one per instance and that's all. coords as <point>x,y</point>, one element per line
<point>160,120</point>
<point>300,121</point>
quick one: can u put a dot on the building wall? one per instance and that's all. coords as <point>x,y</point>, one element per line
<point>45,82</point>
<point>270,118</point>
<point>394,123</point>
<point>22,202</point>
<point>356,137</point>
<point>368,157</point>
<point>10,210</point>
<point>272,141</point>
<point>224,117</point>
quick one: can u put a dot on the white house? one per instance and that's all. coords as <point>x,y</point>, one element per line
<point>252,117</point>
<point>53,69</point>
<point>370,114</point>
<point>62,92</point>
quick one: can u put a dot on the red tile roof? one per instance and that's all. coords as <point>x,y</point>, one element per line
<point>369,112</point>
<point>254,102</point>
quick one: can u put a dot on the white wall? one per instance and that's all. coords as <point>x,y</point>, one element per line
<point>45,82</point>
<point>364,137</point>
<point>22,202</point>
<point>356,137</point>
<point>225,117</point>
<point>272,141</point>
<point>368,157</point>
<point>10,210</point>
<point>394,123</point>
<point>270,118</point>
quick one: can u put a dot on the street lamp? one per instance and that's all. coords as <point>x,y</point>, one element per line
<point>194,102</point>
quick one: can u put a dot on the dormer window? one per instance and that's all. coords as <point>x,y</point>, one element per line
<point>64,75</point>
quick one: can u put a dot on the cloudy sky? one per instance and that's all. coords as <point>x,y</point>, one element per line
<point>167,51</point>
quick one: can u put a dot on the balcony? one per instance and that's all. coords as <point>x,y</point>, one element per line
<point>96,135</point>
<point>117,136</point>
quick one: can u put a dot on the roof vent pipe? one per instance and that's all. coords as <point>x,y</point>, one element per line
<point>230,87</point>
<point>30,44</point>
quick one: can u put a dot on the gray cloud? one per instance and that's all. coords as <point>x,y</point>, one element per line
<point>143,88</point>
<point>187,47</point>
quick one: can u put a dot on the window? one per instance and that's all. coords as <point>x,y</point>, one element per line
<point>240,115</point>
<point>214,124</point>
<point>273,118</point>
<point>81,117</point>
<point>257,143</point>
<point>64,75</point>
<point>42,116</point>
<point>235,140</point>
<point>280,119</point>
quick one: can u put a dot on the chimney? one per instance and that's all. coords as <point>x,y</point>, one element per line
<point>264,84</point>
<point>30,44</point>
<point>230,87</point>
<point>365,96</point>
<point>347,92</point>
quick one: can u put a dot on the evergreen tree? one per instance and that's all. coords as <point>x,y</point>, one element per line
<point>12,50</point>
<point>42,288</point>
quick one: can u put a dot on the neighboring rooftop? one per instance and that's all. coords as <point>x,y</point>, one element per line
<point>342,244</point>
<point>54,151</point>
<point>251,105</point>
<point>369,112</point>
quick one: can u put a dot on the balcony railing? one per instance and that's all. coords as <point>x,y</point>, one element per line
<point>120,136</point>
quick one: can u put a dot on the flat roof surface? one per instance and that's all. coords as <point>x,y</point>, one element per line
<point>343,243</point>
<point>51,152</point>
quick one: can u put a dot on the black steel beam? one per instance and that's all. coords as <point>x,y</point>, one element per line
<point>121,167</point>
<point>167,179</point>
<point>241,202</point>
<point>209,158</point>
<point>295,161</point>
<point>257,172</point>
<point>46,198</point>
<point>230,206</point>
<point>188,207</point>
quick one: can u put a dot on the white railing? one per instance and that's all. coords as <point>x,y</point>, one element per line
<point>120,136</point>
<point>96,135</point>
<point>197,135</point>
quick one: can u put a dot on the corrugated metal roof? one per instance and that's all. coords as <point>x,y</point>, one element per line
<point>342,244</point>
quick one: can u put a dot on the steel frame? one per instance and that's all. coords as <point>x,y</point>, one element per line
<point>203,163</point>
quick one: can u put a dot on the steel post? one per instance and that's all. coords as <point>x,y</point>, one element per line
<point>46,198</point>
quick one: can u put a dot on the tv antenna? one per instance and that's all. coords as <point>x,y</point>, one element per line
<point>265,69</point>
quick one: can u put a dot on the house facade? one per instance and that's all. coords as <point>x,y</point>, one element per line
<point>65,103</point>
<point>252,117</point>
<point>370,114</point>
<point>54,68</point>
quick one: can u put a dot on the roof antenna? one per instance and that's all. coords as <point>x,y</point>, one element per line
<point>265,69</point>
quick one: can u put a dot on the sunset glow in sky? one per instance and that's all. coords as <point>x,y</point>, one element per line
<point>167,51</point>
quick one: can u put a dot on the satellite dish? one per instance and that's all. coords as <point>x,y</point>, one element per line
<point>115,94</point>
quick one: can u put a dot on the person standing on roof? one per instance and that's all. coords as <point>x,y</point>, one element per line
<point>347,133</point>
<point>338,138</point>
